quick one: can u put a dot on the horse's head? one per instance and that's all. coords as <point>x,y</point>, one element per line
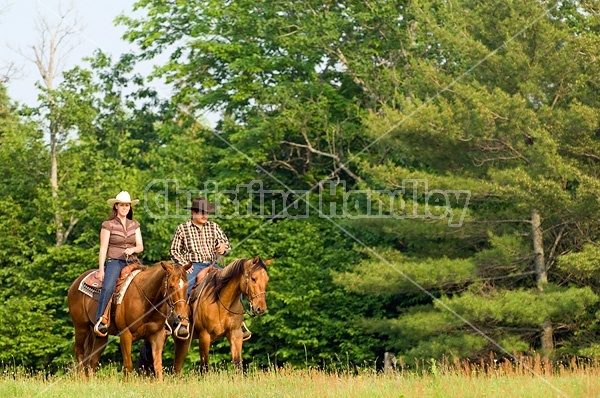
<point>175,293</point>
<point>254,284</point>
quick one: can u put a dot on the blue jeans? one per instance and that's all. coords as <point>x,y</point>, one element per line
<point>112,270</point>
<point>197,267</point>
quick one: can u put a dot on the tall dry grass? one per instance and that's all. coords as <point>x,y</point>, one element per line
<point>524,377</point>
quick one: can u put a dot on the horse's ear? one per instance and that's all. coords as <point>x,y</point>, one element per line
<point>268,262</point>
<point>256,259</point>
<point>166,266</point>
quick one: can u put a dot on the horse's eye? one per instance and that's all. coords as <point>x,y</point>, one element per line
<point>253,280</point>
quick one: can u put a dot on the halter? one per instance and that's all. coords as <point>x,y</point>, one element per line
<point>170,303</point>
<point>248,296</point>
<point>252,297</point>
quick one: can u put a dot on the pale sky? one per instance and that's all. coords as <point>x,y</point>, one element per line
<point>18,33</point>
<point>95,18</point>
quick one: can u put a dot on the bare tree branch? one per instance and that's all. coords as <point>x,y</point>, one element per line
<point>9,71</point>
<point>551,257</point>
<point>337,159</point>
<point>55,43</point>
<point>497,145</point>
<point>285,165</point>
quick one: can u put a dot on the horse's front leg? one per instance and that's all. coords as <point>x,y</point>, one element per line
<point>235,341</point>
<point>126,342</point>
<point>181,350</point>
<point>204,345</point>
<point>157,342</point>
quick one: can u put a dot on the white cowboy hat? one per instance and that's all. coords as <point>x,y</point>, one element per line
<point>122,197</point>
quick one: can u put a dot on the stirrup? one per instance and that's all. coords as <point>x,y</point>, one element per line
<point>100,328</point>
<point>246,333</point>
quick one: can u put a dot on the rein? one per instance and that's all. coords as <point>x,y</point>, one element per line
<point>248,296</point>
<point>229,309</point>
<point>168,300</point>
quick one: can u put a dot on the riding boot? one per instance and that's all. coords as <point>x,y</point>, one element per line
<point>101,327</point>
<point>106,316</point>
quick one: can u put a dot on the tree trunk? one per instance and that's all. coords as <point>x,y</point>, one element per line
<point>547,339</point>
<point>46,59</point>
<point>60,235</point>
<point>389,362</point>
<point>538,250</point>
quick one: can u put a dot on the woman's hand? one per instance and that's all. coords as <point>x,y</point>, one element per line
<point>100,274</point>
<point>129,251</point>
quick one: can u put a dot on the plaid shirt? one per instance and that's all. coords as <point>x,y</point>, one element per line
<point>197,244</point>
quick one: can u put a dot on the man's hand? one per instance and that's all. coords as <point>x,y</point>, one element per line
<point>221,248</point>
<point>190,270</point>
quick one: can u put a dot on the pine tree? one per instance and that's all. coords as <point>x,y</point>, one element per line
<point>498,109</point>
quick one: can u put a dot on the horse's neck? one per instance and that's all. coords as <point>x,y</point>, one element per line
<point>231,292</point>
<point>152,284</point>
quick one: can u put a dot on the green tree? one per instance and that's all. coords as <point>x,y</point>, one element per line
<point>104,152</point>
<point>490,114</point>
<point>496,104</point>
<point>25,309</point>
<point>286,107</point>
<point>460,96</point>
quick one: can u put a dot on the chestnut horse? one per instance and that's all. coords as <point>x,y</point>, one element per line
<point>218,311</point>
<point>154,294</point>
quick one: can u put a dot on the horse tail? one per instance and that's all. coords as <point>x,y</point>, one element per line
<point>145,361</point>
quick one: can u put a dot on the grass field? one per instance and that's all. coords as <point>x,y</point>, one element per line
<point>525,380</point>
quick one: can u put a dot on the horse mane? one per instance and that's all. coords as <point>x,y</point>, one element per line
<point>216,281</point>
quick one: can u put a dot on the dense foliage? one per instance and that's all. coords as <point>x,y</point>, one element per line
<point>468,131</point>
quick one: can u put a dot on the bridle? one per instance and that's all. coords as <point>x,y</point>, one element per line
<point>170,303</point>
<point>252,297</point>
<point>249,297</point>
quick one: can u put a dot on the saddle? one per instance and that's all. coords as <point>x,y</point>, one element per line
<point>125,273</point>
<point>91,285</point>
<point>200,282</point>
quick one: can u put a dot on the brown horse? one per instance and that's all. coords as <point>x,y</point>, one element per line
<point>218,311</point>
<point>153,295</point>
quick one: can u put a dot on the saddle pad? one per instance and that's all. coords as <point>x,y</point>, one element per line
<point>119,295</point>
<point>90,286</point>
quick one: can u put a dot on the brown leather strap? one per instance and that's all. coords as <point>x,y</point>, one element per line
<point>106,315</point>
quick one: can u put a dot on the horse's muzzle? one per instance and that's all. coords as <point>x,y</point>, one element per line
<point>257,309</point>
<point>181,329</point>
<point>181,332</point>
